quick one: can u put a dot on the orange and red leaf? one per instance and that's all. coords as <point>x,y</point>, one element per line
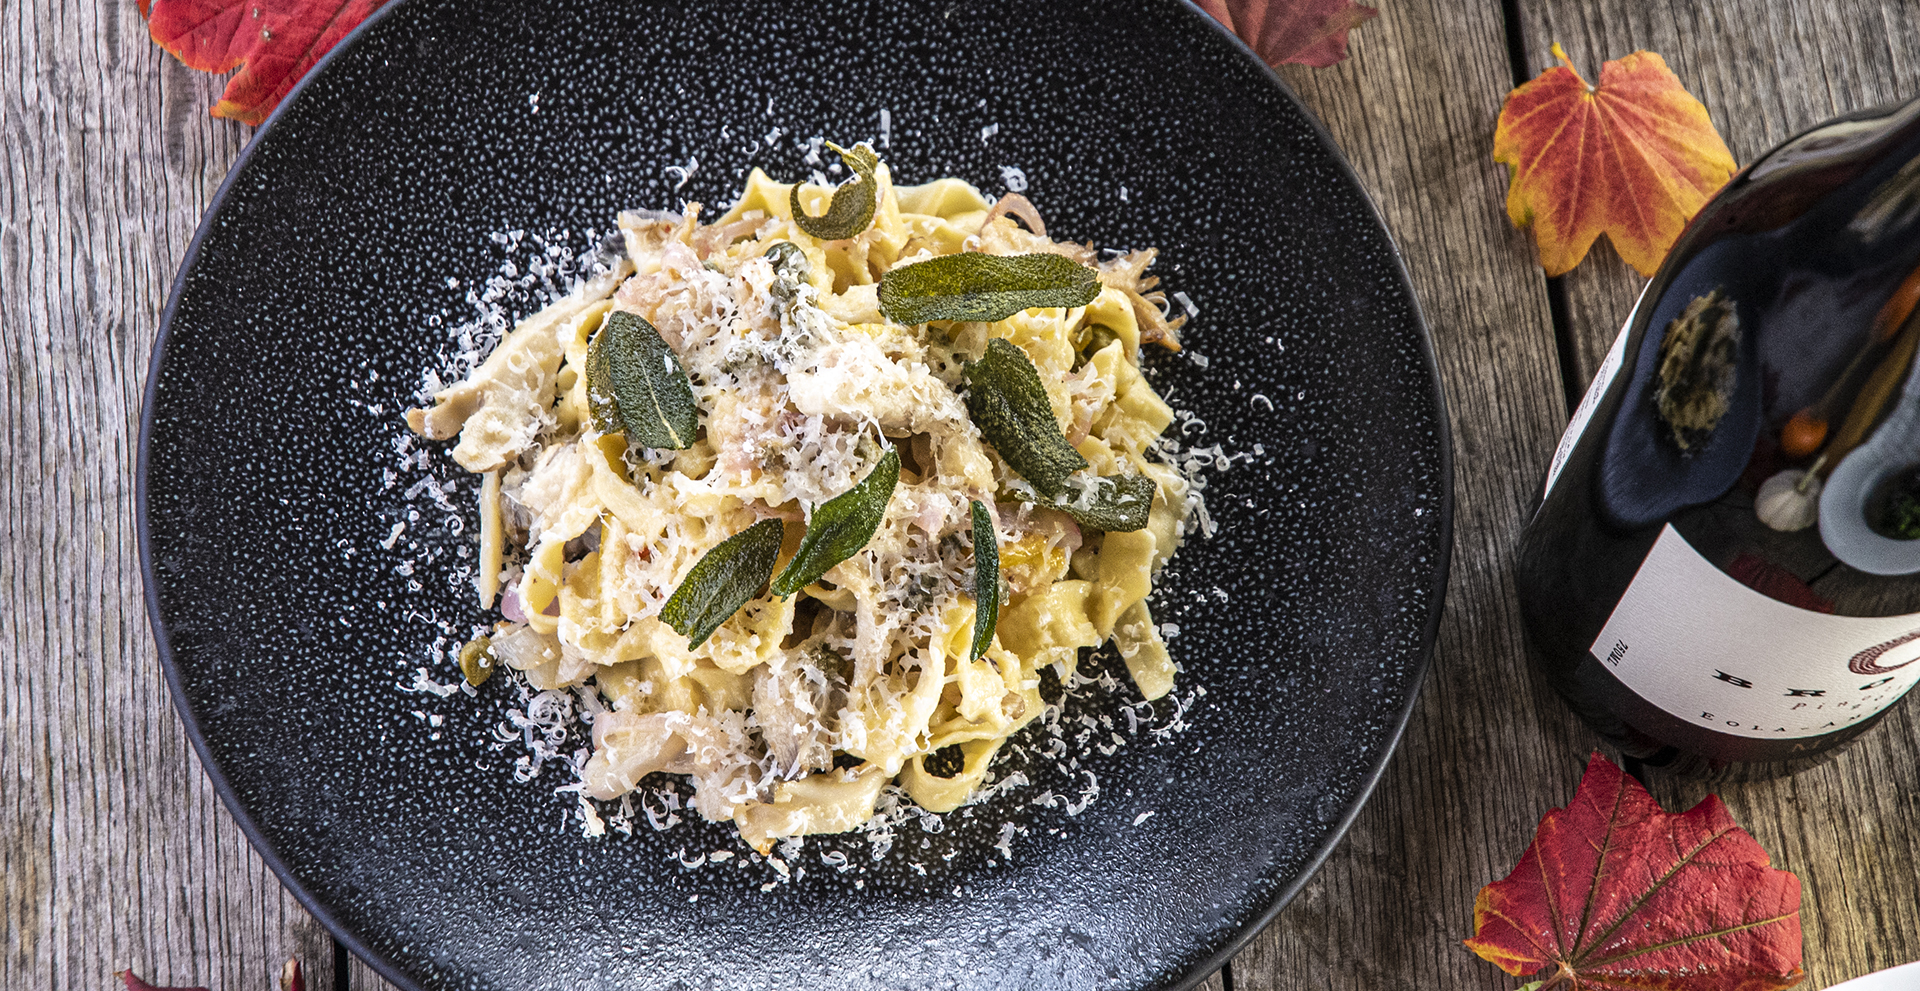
<point>1634,158</point>
<point>1307,32</point>
<point>274,42</point>
<point>1618,893</point>
<point>134,983</point>
<point>290,979</point>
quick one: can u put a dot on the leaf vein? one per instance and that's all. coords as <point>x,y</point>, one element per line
<point>1689,940</point>
<point>1656,886</point>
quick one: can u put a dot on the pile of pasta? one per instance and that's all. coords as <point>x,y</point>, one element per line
<point>795,714</point>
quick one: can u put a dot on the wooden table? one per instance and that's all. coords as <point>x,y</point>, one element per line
<point>117,853</point>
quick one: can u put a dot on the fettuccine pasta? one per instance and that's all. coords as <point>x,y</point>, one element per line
<point>797,711</point>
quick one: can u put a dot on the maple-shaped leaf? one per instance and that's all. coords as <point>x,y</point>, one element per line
<point>290,979</point>
<point>274,41</point>
<point>1617,893</point>
<point>1634,157</point>
<point>134,983</point>
<point>1307,32</point>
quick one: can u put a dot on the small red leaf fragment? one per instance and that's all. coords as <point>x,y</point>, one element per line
<point>1617,893</point>
<point>1634,158</point>
<point>1306,32</point>
<point>290,979</point>
<point>274,41</point>
<point>134,983</point>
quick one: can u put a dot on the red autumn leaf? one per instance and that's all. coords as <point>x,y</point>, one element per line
<point>274,41</point>
<point>1634,157</point>
<point>290,980</point>
<point>1307,32</point>
<point>134,983</point>
<point>1617,893</point>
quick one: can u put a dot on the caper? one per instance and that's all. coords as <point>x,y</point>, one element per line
<point>476,660</point>
<point>1099,335</point>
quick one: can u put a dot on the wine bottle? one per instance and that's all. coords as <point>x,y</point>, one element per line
<point>1722,576</point>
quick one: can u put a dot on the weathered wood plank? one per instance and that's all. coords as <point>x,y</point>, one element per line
<point>1487,752</point>
<point>1767,69</point>
<point>116,851</point>
<point>361,977</point>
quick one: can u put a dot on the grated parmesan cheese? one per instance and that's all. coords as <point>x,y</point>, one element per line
<point>799,382</point>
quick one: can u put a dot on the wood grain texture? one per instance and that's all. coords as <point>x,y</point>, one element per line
<point>1487,751</point>
<point>1766,70</point>
<point>117,853</point>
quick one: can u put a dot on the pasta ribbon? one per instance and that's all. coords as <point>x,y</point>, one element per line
<point>765,600</point>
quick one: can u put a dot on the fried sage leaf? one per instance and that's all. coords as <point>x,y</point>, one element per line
<point>1114,503</point>
<point>973,286</point>
<point>986,580</point>
<point>636,385</point>
<point>1010,406</point>
<point>851,209</point>
<point>841,526</point>
<point>791,270</point>
<point>724,579</point>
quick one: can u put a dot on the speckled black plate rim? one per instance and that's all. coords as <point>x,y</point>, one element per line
<point>181,703</point>
<point>1443,554</point>
<point>399,977</point>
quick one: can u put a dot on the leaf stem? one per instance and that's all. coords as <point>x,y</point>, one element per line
<point>1561,54</point>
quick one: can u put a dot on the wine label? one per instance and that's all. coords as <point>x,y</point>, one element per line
<point>1693,641</point>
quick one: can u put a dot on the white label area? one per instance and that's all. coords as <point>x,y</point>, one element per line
<point>1602,377</point>
<point>1690,639</point>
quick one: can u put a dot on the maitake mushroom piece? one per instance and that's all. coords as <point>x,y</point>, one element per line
<point>999,235</point>
<point>498,409</point>
<point>1128,273</point>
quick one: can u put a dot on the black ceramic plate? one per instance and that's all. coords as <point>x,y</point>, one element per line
<point>292,617</point>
